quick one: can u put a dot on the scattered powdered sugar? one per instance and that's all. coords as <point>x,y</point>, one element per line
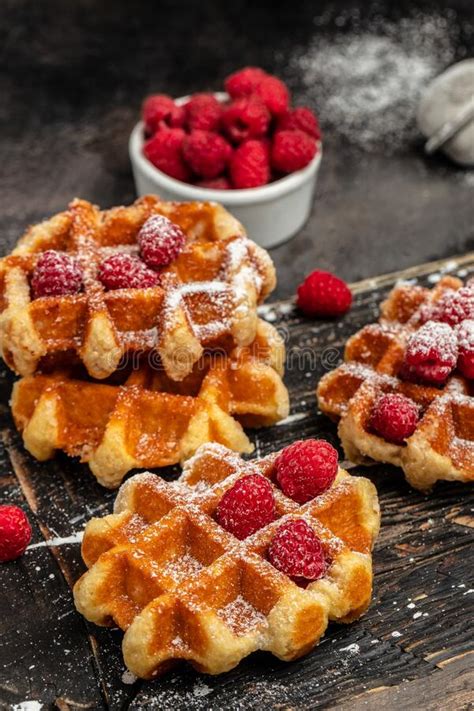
<point>275,312</point>
<point>434,337</point>
<point>53,542</point>
<point>351,648</point>
<point>183,567</point>
<point>365,84</point>
<point>128,677</point>
<point>296,417</point>
<point>200,689</point>
<point>27,706</point>
<point>465,334</point>
<point>241,616</point>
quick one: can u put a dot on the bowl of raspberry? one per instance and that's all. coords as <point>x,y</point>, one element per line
<point>246,148</point>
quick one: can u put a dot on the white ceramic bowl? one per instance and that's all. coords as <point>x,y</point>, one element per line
<point>270,214</point>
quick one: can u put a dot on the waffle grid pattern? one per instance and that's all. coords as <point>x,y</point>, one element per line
<point>182,588</point>
<point>207,297</point>
<point>442,446</point>
<point>149,420</point>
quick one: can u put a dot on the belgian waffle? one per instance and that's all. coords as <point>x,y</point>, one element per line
<point>147,420</point>
<point>183,588</point>
<point>442,446</point>
<point>206,298</point>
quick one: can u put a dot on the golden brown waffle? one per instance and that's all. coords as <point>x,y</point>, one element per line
<point>148,420</point>
<point>183,588</point>
<point>207,297</point>
<point>442,446</point>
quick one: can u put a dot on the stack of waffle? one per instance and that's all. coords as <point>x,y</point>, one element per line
<point>141,377</point>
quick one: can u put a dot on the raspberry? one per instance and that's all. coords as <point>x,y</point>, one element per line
<point>323,294</point>
<point>306,469</point>
<point>431,353</point>
<point>455,306</point>
<point>203,112</point>
<point>465,334</point>
<point>297,551</point>
<point>302,119</point>
<point>249,165</point>
<point>221,183</point>
<point>15,532</point>
<point>123,271</point>
<point>164,150</point>
<point>394,417</point>
<point>247,506</point>
<point>245,118</point>
<point>274,95</point>
<point>55,274</point>
<point>160,241</point>
<point>244,82</point>
<point>160,110</point>
<point>206,153</point>
<point>292,150</point>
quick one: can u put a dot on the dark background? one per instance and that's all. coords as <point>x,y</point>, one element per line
<point>74,75</point>
<point>72,78</point>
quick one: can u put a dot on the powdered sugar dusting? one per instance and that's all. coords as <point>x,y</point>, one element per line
<point>434,338</point>
<point>241,616</point>
<point>366,85</point>
<point>182,567</point>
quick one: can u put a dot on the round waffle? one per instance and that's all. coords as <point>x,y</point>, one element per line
<point>183,588</point>
<point>207,297</point>
<point>442,446</point>
<point>145,419</point>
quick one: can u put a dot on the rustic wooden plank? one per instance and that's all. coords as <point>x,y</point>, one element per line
<point>450,688</point>
<point>45,654</point>
<point>418,622</point>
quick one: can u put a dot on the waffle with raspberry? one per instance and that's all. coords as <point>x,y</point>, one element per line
<point>144,418</point>
<point>206,297</point>
<point>422,349</point>
<point>183,588</point>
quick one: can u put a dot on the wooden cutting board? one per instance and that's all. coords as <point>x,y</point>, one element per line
<point>412,649</point>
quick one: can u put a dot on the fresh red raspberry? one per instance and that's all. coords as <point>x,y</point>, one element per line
<point>306,469</point>
<point>297,551</point>
<point>123,271</point>
<point>247,506</point>
<point>221,183</point>
<point>249,165</point>
<point>245,118</point>
<point>292,150</point>
<point>300,119</point>
<point>274,94</point>
<point>160,241</point>
<point>164,150</point>
<point>206,153</point>
<point>244,82</point>
<point>454,306</point>
<point>465,334</point>
<point>431,353</point>
<point>203,112</point>
<point>395,417</point>
<point>15,532</point>
<point>323,294</point>
<point>55,274</point>
<point>160,110</point>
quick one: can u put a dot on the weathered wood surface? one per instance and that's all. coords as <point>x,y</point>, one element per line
<point>413,648</point>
